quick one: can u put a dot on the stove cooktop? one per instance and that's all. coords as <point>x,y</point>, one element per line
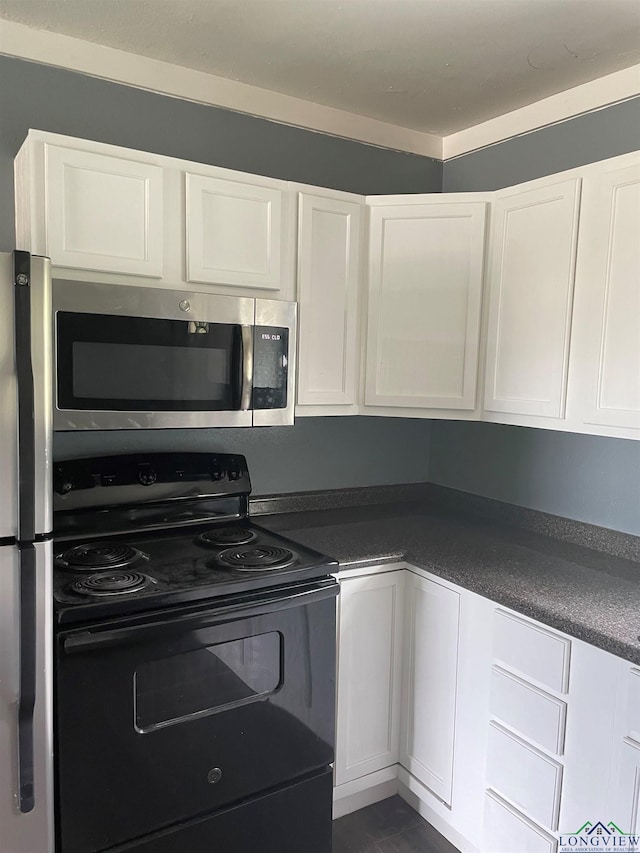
<point>117,575</point>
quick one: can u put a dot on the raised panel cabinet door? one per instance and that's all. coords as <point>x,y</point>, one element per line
<point>430,684</point>
<point>234,232</point>
<point>531,278</point>
<point>425,294</point>
<point>369,674</point>
<point>605,359</point>
<point>329,246</point>
<point>103,213</point>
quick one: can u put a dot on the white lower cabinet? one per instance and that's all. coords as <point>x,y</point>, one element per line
<point>506,734</point>
<point>508,831</point>
<point>429,683</point>
<point>369,667</point>
<point>627,789</point>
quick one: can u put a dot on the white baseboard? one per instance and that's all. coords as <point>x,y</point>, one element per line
<point>365,791</point>
<point>417,796</point>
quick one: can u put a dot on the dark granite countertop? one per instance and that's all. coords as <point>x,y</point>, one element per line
<point>588,594</point>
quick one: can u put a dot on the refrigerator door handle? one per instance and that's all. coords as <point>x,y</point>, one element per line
<point>26,529</point>
<point>26,401</point>
<point>27,696</point>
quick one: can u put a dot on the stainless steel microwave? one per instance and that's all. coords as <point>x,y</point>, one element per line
<point>146,357</point>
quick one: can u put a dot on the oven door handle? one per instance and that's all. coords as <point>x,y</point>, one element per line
<point>88,641</point>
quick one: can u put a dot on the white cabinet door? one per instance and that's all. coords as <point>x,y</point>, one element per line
<point>369,674</point>
<point>234,232</point>
<point>103,213</point>
<point>627,796</point>
<point>531,277</point>
<point>425,294</point>
<point>329,250</point>
<point>605,350</point>
<point>429,683</point>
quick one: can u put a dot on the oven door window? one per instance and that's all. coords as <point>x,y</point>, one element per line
<point>114,363</point>
<point>206,681</point>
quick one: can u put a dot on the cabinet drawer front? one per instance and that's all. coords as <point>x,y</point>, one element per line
<point>507,831</point>
<point>525,776</point>
<point>632,723</point>
<point>529,710</point>
<point>532,650</point>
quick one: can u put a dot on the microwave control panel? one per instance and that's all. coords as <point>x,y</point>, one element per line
<point>270,367</point>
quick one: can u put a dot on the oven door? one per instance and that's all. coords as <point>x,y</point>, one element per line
<point>165,718</point>
<point>141,357</point>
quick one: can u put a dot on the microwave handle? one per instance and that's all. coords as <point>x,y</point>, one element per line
<point>246,367</point>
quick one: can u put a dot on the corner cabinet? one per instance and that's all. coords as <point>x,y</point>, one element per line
<point>432,621</point>
<point>369,667</point>
<point>426,263</point>
<point>532,253</point>
<point>330,239</point>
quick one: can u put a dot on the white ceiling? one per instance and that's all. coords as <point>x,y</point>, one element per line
<point>435,66</point>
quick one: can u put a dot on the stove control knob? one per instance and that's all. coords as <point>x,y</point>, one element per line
<point>234,472</point>
<point>147,476</point>
<point>64,488</point>
<point>217,473</point>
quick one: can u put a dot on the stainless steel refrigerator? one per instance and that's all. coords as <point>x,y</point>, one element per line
<point>26,738</point>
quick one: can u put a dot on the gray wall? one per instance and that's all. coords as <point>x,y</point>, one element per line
<point>35,96</point>
<point>317,453</point>
<point>585,477</point>
<point>576,142</point>
<point>588,478</point>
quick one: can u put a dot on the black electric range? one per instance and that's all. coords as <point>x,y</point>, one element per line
<point>194,664</point>
<point>102,577</point>
<point>168,543</point>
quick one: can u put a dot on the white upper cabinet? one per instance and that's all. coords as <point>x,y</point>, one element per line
<point>114,214</point>
<point>425,296</point>
<point>234,231</point>
<point>329,261</point>
<point>95,211</point>
<point>605,358</point>
<point>531,278</point>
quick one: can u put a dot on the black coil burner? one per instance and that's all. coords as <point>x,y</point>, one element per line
<point>111,583</point>
<point>225,536</point>
<point>259,559</point>
<point>98,555</point>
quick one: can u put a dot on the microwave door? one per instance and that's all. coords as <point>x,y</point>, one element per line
<point>120,367</point>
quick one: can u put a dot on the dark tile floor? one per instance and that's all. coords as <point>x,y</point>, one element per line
<point>390,826</point>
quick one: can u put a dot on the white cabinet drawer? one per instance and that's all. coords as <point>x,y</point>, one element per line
<point>507,831</point>
<point>532,650</point>
<point>531,780</point>
<point>529,710</point>
<point>632,720</point>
